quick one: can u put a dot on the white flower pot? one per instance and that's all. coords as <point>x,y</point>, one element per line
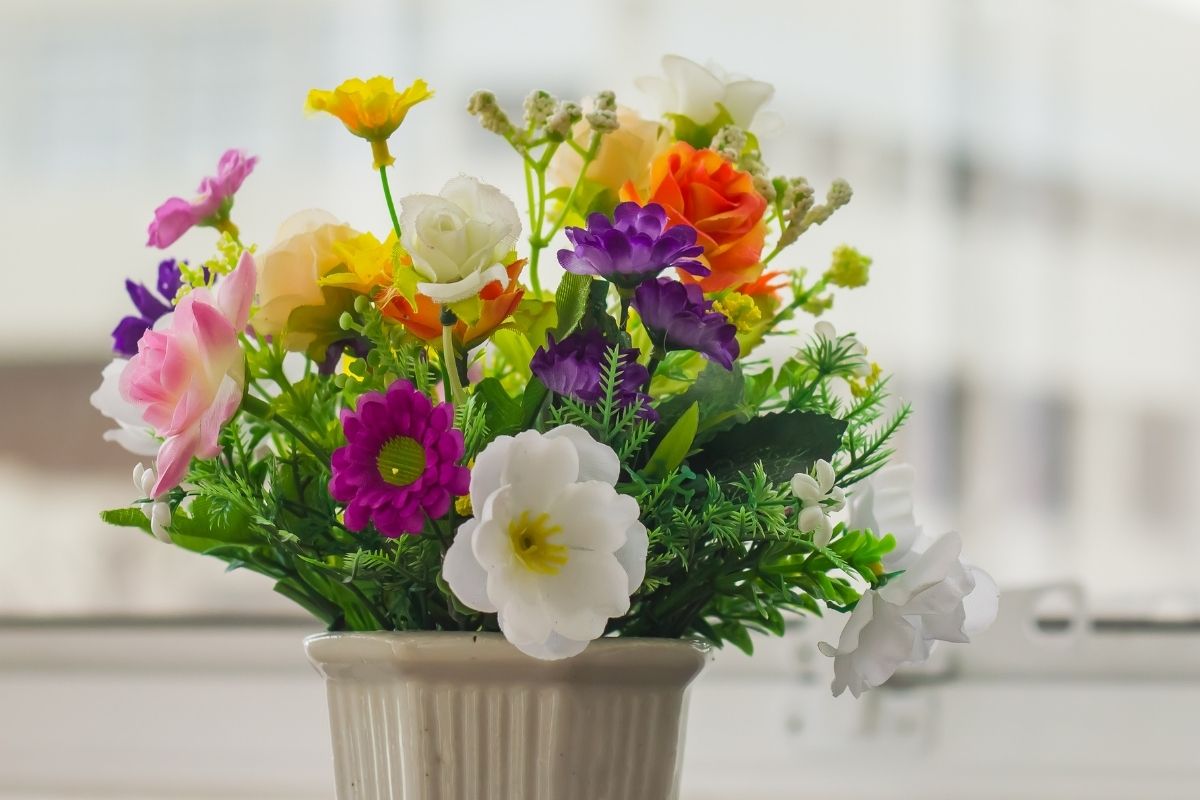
<point>462,716</point>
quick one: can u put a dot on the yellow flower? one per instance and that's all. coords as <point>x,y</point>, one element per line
<point>740,310</point>
<point>368,263</point>
<point>370,109</point>
<point>859,387</point>
<point>849,268</point>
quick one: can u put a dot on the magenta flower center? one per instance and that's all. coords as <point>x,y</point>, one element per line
<point>401,460</point>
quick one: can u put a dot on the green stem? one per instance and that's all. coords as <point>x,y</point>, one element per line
<point>261,409</point>
<point>387,194</point>
<point>588,157</point>
<point>450,356</point>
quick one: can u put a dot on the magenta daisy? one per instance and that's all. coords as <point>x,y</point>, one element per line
<point>400,462</point>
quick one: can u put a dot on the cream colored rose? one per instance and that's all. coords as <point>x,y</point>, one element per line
<point>458,240</point>
<point>624,155</point>
<point>290,270</point>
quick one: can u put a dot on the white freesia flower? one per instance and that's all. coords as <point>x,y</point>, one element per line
<point>937,598</point>
<point>818,497</point>
<point>553,549</point>
<point>157,511</point>
<point>693,91</point>
<point>131,432</point>
<point>458,240</point>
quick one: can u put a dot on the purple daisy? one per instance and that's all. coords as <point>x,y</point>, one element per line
<point>573,367</point>
<point>150,308</point>
<point>635,246</point>
<point>400,462</point>
<point>677,317</point>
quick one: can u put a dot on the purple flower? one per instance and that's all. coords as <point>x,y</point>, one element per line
<point>677,317</point>
<point>634,247</point>
<point>400,461</point>
<point>149,307</point>
<point>176,216</point>
<point>574,366</point>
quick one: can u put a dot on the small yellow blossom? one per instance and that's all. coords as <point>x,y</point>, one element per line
<point>370,109</point>
<point>860,387</point>
<point>367,263</point>
<point>849,269</point>
<point>739,309</point>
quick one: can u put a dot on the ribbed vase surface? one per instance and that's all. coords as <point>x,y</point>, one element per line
<point>462,716</point>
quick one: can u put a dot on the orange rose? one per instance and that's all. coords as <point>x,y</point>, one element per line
<point>702,189</point>
<point>497,303</point>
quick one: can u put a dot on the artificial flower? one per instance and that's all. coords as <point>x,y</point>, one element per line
<point>158,512</point>
<point>634,246</point>
<point>188,377</point>
<point>677,317</point>
<point>131,432</point>
<point>575,366</point>
<point>818,495</point>
<point>624,156</point>
<point>149,308</point>
<point>849,268</point>
<point>400,461</point>
<point>937,596</point>
<point>289,280</point>
<point>370,109</point>
<point>553,550</point>
<point>210,208</point>
<point>364,264</point>
<point>497,301</point>
<point>853,347</point>
<point>692,91</point>
<point>459,240</point>
<point>701,189</point>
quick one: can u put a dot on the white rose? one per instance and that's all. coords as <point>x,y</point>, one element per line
<point>458,240</point>
<point>689,89</point>
<point>553,549</point>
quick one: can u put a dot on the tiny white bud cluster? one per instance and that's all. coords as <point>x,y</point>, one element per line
<point>484,106</point>
<point>603,116</point>
<point>559,124</point>
<point>539,105</point>
<point>730,141</point>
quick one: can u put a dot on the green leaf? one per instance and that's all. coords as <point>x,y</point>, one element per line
<point>502,412</point>
<point>207,519</point>
<point>736,633</point>
<point>127,518</point>
<point>784,444</point>
<point>571,301</point>
<point>532,402</point>
<point>700,136</point>
<point>719,393</point>
<point>675,446</point>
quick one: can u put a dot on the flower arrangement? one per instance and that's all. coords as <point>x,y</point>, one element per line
<point>409,431</point>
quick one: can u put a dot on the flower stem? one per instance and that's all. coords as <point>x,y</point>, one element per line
<point>261,409</point>
<point>450,356</point>
<point>387,194</point>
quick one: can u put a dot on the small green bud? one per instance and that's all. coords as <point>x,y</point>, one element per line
<point>346,321</point>
<point>361,304</point>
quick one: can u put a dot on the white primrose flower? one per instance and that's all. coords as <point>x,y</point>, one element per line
<point>553,549</point>
<point>131,432</point>
<point>937,598</point>
<point>157,511</point>
<point>818,497</point>
<point>688,89</point>
<point>458,240</point>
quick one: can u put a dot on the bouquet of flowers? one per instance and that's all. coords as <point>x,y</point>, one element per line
<point>411,431</point>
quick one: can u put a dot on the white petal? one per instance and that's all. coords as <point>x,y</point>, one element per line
<point>804,486</point>
<point>591,516</point>
<point>743,99</point>
<point>697,91</point>
<point>823,533</point>
<point>464,288</point>
<point>813,519</point>
<point>488,469</point>
<point>585,593</point>
<point>597,461</point>
<point>160,520</point>
<point>825,330</point>
<point>825,475</point>
<point>982,604</point>
<point>632,555</point>
<point>139,441</point>
<point>538,467</point>
<point>463,572</point>
<point>553,648</point>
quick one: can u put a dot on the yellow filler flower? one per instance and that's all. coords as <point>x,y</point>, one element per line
<point>370,109</point>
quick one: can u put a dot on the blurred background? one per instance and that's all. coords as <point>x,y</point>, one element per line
<point>1025,176</point>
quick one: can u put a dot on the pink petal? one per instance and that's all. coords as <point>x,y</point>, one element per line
<point>173,459</point>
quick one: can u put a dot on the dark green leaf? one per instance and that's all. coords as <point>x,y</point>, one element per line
<point>784,444</point>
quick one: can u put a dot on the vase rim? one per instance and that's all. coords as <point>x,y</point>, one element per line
<point>424,650</point>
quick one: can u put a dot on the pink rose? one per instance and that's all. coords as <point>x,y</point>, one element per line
<point>187,377</point>
<point>177,216</point>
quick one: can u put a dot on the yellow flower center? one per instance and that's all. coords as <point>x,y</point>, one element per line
<point>740,310</point>
<point>401,460</point>
<point>531,542</point>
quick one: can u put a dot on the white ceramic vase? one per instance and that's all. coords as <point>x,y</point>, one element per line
<point>462,716</point>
